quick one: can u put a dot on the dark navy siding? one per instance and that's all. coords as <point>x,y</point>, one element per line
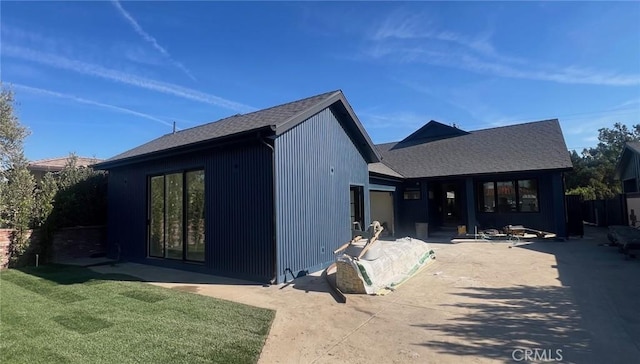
<point>239,209</point>
<point>630,174</point>
<point>551,216</point>
<point>316,162</point>
<point>412,211</point>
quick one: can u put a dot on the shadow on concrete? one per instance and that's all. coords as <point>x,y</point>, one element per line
<point>315,283</point>
<point>504,319</point>
<point>593,317</point>
<point>605,289</point>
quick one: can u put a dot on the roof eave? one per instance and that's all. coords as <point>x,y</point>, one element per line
<point>485,174</point>
<point>386,176</point>
<point>221,141</point>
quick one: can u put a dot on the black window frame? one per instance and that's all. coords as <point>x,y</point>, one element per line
<point>412,193</point>
<point>357,203</point>
<point>481,202</point>
<point>184,233</point>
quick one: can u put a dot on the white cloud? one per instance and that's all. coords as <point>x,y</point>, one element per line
<point>60,62</point>
<point>148,38</point>
<point>124,110</point>
<point>411,38</point>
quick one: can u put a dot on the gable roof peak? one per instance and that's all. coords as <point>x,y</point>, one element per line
<point>431,131</point>
<point>274,120</point>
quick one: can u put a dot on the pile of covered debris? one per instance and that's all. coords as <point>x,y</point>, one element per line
<point>626,238</point>
<point>373,266</point>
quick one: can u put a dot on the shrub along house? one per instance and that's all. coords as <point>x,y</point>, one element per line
<point>255,195</point>
<point>444,177</point>
<point>274,192</point>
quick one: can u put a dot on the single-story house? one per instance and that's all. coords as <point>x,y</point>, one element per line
<point>270,194</point>
<point>444,177</point>
<point>628,172</point>
<point>43,166</point>
<point>257,195</point>
<point>628,167</point>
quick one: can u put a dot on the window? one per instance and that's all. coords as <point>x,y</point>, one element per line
<point>356,200</point>
<point>487,200</point>
<point>528,193</point>
<point>176,216</point>
<point>506,193</point>
<point>508,196</point>
<point>412,193</point>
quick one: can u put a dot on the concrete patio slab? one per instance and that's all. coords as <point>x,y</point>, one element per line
<point>478,302</point>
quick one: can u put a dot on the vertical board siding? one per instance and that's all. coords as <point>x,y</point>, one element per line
<point>312,202</point>
<point>636,170</point>
<point>550,199</point>
<point>238,209</point>
<point>413,211</point>
<point>631,170</point>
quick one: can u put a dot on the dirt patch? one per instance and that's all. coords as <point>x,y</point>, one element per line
<point>190,289</point>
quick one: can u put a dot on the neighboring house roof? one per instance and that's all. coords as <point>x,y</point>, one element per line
<point>523,147</point>
<point>274,120</point>
<point>629,149</point>
<point>383,170</point>
<point>58,164</point>
<point>634,145</point>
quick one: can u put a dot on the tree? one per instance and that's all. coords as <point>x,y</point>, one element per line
<point>80,197</point>
<point>594,171</point>
<point>16,183</point>
<point>44,198</point>
<point>12,134</point>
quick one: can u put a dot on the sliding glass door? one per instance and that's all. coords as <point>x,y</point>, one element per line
<point>156,216</point>
<point>176,216</point>
<point>195,215</point>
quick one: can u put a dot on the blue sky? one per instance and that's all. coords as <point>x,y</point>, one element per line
<point>99,78</point>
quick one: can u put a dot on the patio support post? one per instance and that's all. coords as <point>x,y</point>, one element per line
<point>471,209</point>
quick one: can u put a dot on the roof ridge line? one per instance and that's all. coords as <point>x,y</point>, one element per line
<point>252,112</point>
<point>518,124</point>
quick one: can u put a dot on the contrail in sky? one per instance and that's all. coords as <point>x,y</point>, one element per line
<point>147,37</point>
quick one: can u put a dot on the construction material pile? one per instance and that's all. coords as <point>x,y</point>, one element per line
<point>511,233</point>
<point>627,238</point>
<point>372,266</point>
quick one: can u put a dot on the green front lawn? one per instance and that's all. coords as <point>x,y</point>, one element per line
<point>62,314</point>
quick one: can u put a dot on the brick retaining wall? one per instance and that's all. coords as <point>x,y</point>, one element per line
<point>79,242</point>
<point>68,243</point>
<point>5,242</point>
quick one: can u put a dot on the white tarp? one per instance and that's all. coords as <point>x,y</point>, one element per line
<point>396,261</point>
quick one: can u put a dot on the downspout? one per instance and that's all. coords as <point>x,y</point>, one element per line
<point>564,205</point>
<point>274,253</point>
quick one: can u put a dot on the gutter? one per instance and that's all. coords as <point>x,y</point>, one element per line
<point>219,142</point>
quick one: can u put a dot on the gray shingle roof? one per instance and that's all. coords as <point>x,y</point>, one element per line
<point>278,119</point>
<point>524,147</point>
<point>383,169</point>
